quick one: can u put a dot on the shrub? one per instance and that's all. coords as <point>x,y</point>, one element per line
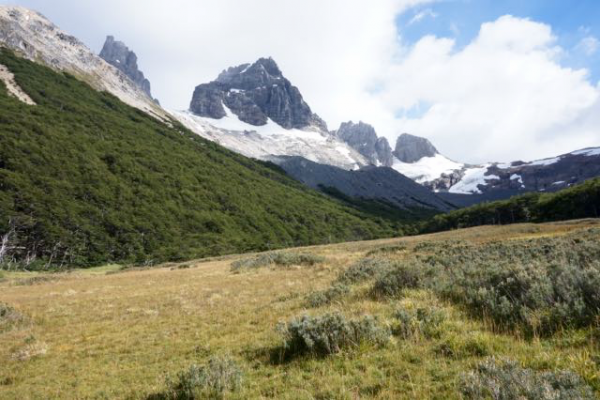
<point>321,298</point>
<point>390,249</point>
<point>402,276</point>
<point>330,333</point>
<point>363,270</point>
<point>213,380</point>
<point>283,259</point>
<point>10,317</point>
<point>504,379</point>
<point>422,321</point>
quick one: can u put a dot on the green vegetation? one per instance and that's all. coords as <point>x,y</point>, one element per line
<point>330,334</point>
<point>152,333</point>
<point>86,180</point>
<point>505,379</point>
<point>537,286</point>
<point>277,258</point>
<point>214,380</point>
<point>581,201</point>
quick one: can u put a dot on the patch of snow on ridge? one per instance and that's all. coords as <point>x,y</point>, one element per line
<point>593,151</point>
<point>427,168</point>
<point>545,161</point>
<point>474,177</point>
<point>264,142</point>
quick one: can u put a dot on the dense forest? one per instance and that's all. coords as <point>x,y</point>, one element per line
<point>581,201</point>
<point>87,180</point>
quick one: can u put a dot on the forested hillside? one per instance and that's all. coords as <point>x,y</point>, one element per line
<point>86,179</point>
<point>581,201</point>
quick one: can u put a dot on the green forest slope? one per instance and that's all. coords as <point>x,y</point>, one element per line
<point>86,180</point>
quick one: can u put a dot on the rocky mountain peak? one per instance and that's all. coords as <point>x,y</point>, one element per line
<point>363,138</point>
<point>410,148</point>
<point>255,93</point>
<point>118,55</point>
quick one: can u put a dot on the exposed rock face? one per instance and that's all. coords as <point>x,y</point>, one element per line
<point>373,183</point>
<point>410,149</point>
<point>118,55</point>
<point>34,37</point>
<point>363,138</point>
<point>255,93</point>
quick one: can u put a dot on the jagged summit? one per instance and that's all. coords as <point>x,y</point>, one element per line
<point>117,54</point>
<point>363,138</point>
<point>255,93</point>
<point>410,148</point>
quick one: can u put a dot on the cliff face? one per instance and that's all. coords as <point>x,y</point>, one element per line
<point>255,93</point>
<point>117,54</point>
<point>363,138</point>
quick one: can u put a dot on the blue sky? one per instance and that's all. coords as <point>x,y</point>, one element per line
<point>571,20</point>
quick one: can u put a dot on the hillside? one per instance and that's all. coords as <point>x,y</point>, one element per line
<point>137,334</point>
<point>580,201</point>
<point>86,179</point>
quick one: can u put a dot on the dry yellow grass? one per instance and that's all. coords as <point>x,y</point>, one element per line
<point>98,334</point>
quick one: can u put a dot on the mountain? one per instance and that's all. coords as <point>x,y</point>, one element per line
<point>117,54</point>
<point>255,93</point>
<point>410,149</point>
<point>254,110</point>
<point>34,37</point>
<point>363,138</point>
<point>418,159</point>
<point>371,183</point>
<point>86,179</point>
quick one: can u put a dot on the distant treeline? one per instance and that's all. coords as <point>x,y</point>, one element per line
<point>581,201</point>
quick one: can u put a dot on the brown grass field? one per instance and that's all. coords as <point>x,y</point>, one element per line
<point>107,333</point>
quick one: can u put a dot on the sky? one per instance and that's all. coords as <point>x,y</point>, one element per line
<point>484,80</point>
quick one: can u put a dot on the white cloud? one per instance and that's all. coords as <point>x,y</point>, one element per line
<point>589,45</point>
<point>502,97</point>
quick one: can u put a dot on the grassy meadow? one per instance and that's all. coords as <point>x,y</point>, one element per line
<point>436,316</point>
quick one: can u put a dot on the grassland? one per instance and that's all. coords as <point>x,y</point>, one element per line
<point>119,333</point>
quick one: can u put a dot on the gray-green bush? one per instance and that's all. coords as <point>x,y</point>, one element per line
<point>330,334</point>
<point>282,259</point>
<point>505,380</point>
<point>212,380</point>
<point>363,270</point>
<point>327,296</point>
<point>537,285</point>
<point>10,317</point>
<point>426,322</point>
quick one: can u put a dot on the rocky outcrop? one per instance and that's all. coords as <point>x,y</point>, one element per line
<point>363,138</point>
<point>410,149</point>
<point>255,93</point>
<point>117,54</point>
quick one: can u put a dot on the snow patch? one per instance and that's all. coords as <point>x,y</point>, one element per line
<point>473,177</point>
<point>427,168</point>
<point>545,161</point>
<point>588,152</point>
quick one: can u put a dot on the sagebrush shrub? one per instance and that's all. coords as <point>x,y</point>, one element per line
<point>420,322</point>
<point>504,379</point>
<point>330,333</point>
<point>10,317</point>
<point>390,249</point>
<point>363,270</point>
<point>402,276</point>
<point>327,296</point>
<point>212,380</point>
<point>283,259</point>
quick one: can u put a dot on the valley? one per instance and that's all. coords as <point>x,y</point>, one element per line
<point>110,332</point>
